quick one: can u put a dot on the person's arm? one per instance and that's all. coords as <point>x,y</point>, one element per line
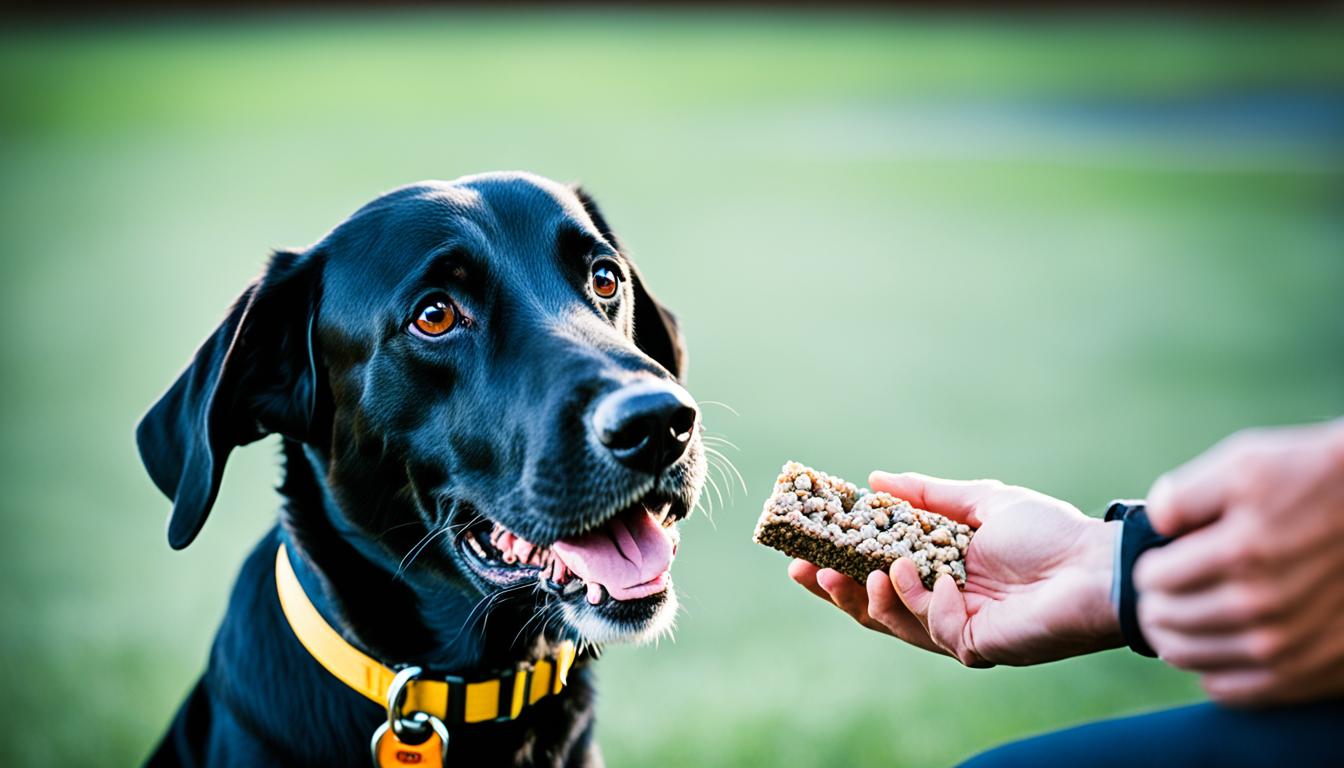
<point>1038,578</point>
<point>1252,594</point>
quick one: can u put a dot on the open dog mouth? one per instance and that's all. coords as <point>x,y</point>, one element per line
<point>628,557</point>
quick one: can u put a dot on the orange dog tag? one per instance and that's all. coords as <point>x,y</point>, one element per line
<point>391,752</point>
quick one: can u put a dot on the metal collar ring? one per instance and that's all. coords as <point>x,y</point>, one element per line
<point>413,729</point>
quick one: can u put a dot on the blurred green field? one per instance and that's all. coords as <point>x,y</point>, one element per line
<point>1066,253</point>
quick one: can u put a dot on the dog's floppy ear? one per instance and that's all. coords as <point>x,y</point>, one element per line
<point>657,331</point>
<point>256,374</point>
<point>656,328</point>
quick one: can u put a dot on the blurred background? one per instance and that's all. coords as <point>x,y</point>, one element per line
<point>1065,251</point>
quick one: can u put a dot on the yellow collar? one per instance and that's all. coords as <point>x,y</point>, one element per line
<point>451,699</point>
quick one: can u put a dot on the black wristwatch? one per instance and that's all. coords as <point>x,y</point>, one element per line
<point>1136,537</point>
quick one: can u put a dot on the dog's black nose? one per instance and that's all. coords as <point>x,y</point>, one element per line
<point>646,426</point>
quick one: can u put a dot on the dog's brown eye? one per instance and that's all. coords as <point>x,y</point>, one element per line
<point>605,281</point>
<point>435,317</point>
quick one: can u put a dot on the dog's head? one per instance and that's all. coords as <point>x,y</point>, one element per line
<point>475,367</point>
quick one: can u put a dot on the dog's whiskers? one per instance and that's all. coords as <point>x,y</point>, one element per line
<point>714,454</point>
<point>717,493</point>
<point>726,467</point>
<point>497,601</point>
<point>479,516</point>
<point>714,437</point>
<point>487,601</point>
<point>720,404</point>
<point>416,550</point>
<point>702,504</point>
<point>544,612</point>
<point>424,542</point>
<point>715,462</point>
<point>395,527</point>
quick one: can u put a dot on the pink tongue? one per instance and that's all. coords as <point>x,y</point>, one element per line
<point>629,556</point>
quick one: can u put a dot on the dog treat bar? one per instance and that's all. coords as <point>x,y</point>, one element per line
<point>834,524</point>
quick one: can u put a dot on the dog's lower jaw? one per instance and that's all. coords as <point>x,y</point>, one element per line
<point>599,589</point>
<point>595,628</point>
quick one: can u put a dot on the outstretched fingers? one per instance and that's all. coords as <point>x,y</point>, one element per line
<point>941,611</point>
<point>885,606</point>
<point>875,605</point>
<point>805,574</point>
<point>849,597</point>
<point>948,620</point>
<point>835,588</point>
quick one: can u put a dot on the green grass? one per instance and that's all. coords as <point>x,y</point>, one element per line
<point>894,242</point>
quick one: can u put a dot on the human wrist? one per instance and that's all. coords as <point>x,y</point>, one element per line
<point>1095,563</point>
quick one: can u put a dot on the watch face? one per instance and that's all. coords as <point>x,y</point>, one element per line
<point>1120,508</point>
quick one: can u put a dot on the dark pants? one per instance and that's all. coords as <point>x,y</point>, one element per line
<point>1202,734</point>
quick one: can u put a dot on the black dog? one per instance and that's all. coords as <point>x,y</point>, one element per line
<point>486,447</point>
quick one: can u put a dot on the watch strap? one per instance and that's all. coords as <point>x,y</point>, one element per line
<point>1136,537</point>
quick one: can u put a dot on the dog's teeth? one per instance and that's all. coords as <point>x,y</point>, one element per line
<point>573,586</point>
<point>523,549</point>
<point>503,539</point>
<point>476,545</point>
<point>597,594</point>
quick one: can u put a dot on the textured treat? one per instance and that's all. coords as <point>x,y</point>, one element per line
<point>832,523</point>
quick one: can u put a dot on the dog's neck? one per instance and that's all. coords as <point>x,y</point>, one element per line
<point>421,615</point>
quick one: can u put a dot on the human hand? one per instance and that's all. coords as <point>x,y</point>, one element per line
<point>1038,578</point>
<point>1251,595</point>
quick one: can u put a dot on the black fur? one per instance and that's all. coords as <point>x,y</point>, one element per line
<point>390,439</point>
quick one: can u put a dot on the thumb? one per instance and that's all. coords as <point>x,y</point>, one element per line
<point>959,500</point>
<point>1192,495</point>
<point>949,619</point>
